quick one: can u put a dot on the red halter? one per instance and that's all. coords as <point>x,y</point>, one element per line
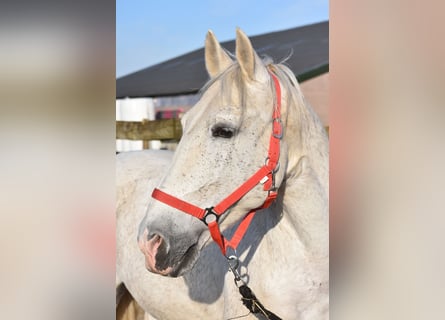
<point>265,175</point>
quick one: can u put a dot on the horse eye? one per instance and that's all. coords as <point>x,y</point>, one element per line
<point>222,132</point>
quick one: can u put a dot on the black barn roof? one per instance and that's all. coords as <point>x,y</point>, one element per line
<point>186,74</point>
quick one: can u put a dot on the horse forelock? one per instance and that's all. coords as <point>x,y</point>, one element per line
<point>284,74</point>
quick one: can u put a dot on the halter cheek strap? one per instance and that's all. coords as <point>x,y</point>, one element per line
<point>265,175</point>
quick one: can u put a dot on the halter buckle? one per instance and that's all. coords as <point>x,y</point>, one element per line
<point>277,129</point>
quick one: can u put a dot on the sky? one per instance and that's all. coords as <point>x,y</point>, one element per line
<point>149,32</point>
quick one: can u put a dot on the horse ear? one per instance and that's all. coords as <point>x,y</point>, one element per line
<point>216,58</point>
<point>251,65</point>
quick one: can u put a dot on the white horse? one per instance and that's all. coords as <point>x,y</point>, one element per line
<point>226,138</point>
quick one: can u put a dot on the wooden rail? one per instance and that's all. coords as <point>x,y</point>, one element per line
<point>165,129</point>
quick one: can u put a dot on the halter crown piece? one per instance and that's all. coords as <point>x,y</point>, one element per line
<point>265,175</point>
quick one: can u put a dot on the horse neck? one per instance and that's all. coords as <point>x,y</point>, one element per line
<point>305,200</point>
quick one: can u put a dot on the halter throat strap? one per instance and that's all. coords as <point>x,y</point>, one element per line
<point>264,175</point>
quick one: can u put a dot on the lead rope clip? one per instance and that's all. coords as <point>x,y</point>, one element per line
<point>234,266</point>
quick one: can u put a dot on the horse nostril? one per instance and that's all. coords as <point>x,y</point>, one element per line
<point>157,240</point>
<point>151,236</point>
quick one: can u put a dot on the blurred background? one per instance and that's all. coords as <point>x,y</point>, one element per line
<point>58,66</point>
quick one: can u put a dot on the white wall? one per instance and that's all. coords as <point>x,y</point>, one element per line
<point>135,109</point>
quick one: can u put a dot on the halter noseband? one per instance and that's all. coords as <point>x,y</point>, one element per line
<point>265,175</point>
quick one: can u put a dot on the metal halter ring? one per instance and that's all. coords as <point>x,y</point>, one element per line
<point>276,168</point>
<point>210,216</point>
<point>233,262</point>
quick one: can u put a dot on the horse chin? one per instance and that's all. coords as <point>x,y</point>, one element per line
<point>191,256</point>
<point>187,262</point>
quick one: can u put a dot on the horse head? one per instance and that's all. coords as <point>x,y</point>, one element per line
<point>226,138</point>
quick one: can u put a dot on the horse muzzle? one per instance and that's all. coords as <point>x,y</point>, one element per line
<point>150,248</point>
<point>167,258</point>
